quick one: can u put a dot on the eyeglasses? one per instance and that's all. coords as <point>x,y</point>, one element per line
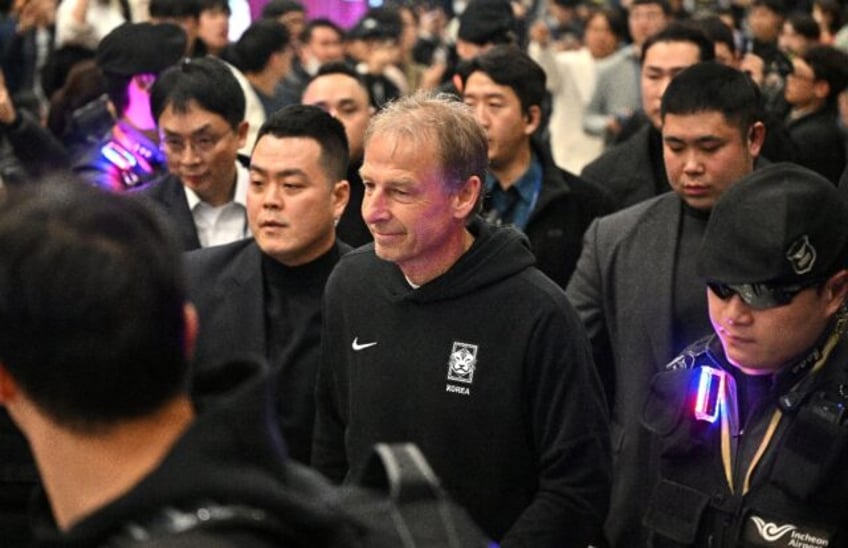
<point>761,296</point>
<point>202,144</point>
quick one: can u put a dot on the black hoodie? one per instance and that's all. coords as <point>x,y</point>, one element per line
<point>229,455</point>
<point>486,368</point>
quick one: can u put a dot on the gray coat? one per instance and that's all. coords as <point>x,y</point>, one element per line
<point>622,290</point>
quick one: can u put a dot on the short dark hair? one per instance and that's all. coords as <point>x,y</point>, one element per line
<point>174,8</point>
<point>103,341</point>
<point>215,4</point>
<point>715,30</point>
<point>306,34</point>
<point>680,32</point>
<point>805,25</point>
<point>666,7</point>
<point>713,87</point>
<point>339,67</point>
<point>509,66</point>
<point>831,65</point>
<point>313,123</point>
<point>276,8</point>
<point>775,6</point>
<point>258,43</point>
<point>615,17</point>
<point>208,81</point>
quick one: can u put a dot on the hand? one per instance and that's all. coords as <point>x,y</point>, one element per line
<point>8,115</point>
<point>754,66</point>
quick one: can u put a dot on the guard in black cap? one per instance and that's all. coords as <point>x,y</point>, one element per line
<point>752,422</point>
<point>130,58</point>
<point>374,44</point>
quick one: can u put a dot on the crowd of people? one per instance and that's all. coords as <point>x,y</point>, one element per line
<point>590,258</point>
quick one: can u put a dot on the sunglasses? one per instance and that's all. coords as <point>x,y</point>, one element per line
<point>762,296</point>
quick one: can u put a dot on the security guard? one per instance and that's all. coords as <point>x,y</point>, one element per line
<point>751,423</point>
<point>130,57</point>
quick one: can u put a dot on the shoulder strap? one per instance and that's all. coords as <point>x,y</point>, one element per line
<point>195,520</point>
<point>420,513</point>
<point>401,472</point>
<point>125,10</point>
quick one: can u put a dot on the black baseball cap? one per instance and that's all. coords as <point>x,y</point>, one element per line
<point>141,48</point>
<point>782,225</point>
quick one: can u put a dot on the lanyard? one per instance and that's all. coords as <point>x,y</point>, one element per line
<point>726,448</point>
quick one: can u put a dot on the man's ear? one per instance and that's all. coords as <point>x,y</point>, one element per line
<point>836,291</point>
<point>465,199</point>
<point>340,197</point>
<point>8,386</point>
<point>533,118</point>
<point>756,138</point>
<point>821,89</point>
<point>191,327</point>
<point>241,132</point>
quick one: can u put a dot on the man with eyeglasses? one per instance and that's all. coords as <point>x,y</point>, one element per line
<point>199,107</point>
<point>812,90</point>
<point>752,421</point>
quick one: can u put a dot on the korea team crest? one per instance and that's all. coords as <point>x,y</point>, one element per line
<point>462,362</point>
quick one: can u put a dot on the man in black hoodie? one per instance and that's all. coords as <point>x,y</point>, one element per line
<point>443,333</point>
<point>94,335</point>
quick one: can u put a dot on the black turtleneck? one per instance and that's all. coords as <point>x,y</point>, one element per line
<point>689,300</point>
<point>293,328</point>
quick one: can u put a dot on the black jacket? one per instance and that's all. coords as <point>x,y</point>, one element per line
<point>168,198</point>
<point>28,151</point>
<point>798,493</point>
<point>566,206</point>
<point>487,369</point>
<point>819,143</point>
<point>229,455</point>
<point>632,171</point>
<point>227,286</point>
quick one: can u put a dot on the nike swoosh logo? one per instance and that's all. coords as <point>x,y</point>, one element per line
<point>357,346</point>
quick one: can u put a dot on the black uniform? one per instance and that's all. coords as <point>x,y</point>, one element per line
<point>797,492</point>
<point>123,159</point>
<point>229,460</point>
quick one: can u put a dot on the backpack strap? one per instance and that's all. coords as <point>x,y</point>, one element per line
<point>401,472</point>
<point>421,512</point>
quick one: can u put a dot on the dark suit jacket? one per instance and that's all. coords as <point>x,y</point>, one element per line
<point>226,286</point>
<point>819,145</point>
<point>626,171</point>
<point>168,197</point>
<point>622,290</point>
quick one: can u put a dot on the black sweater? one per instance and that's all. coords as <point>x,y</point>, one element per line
<point>487,369</point>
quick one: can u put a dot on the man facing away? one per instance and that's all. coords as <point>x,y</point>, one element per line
<point>199,108</point>
<point>94,371</point>
<point>263,295</point>
<point>756,454</point>
<point>635,286</point>
<point>417,345</point>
